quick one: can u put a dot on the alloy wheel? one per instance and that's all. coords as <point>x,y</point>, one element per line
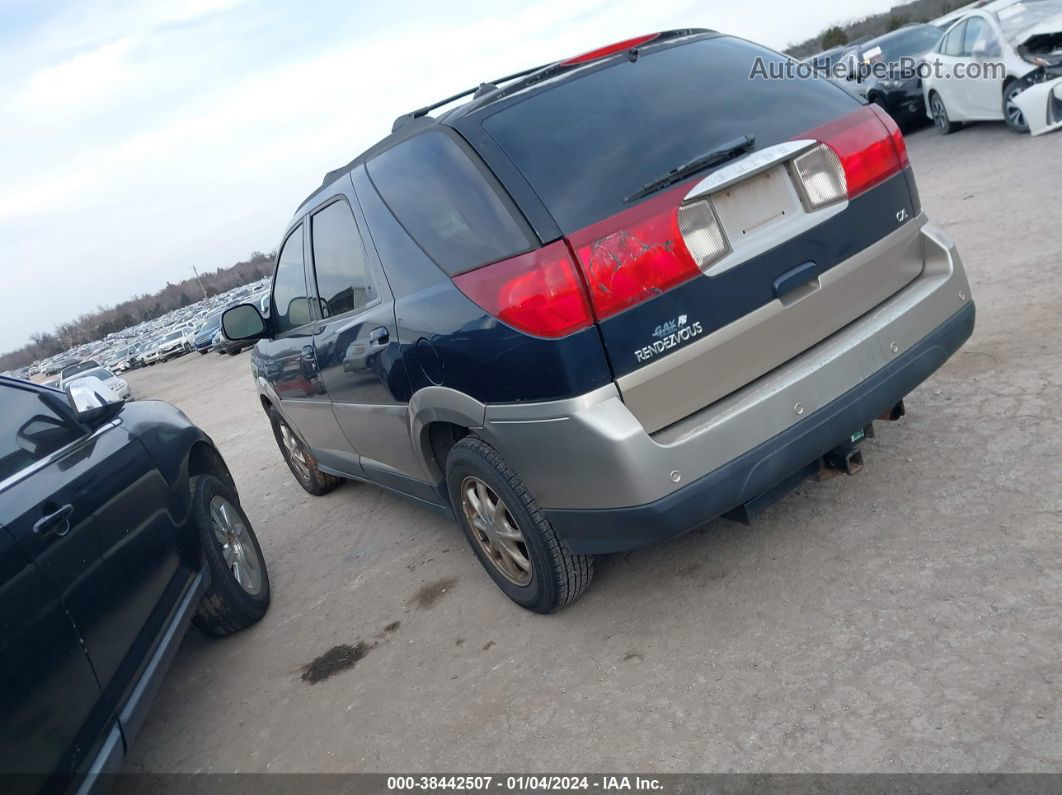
<point>237,548</point>
<point>296,455</point>
<point>1015,118</point>
<point>495,530</point>
<point>940,116</point>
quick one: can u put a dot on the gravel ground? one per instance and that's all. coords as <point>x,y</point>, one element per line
<point>906,619</point>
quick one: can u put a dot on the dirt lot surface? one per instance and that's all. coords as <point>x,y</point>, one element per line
<point>906,619</point>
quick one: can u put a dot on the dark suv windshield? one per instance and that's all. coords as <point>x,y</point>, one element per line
<point>586,143</point>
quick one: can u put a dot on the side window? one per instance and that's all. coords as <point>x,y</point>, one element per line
<point>289,285</point>
<point>30,430</point>
<point>343,282</point>
<point>952,44</point>
<point>976,37</point>
<point>455,211</point>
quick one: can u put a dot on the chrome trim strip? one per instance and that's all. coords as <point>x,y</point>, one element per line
<point>752,163</point>
<point>51,458</point>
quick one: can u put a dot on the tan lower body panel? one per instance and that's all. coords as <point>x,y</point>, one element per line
<point>668,389</point>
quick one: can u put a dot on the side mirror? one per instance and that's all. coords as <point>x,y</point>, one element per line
<point>90,405</point>
<point>243,322</point>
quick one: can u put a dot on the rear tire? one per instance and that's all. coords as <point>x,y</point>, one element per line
<point>521,551</point>
<point>941,120</point>
<point>301,462</point>
<point>239,583</point>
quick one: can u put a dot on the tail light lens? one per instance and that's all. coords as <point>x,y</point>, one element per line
<point>868,146</point>
<point>701,232</point>
<point>634,255</point>
<point>821,176</point>
<point>894,132</point>
<point>540,292</point>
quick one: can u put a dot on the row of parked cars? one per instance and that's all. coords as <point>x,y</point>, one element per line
<point>990,61</point>
<point>193,328</point>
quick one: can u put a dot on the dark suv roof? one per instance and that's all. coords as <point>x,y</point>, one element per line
<point>489,95</point>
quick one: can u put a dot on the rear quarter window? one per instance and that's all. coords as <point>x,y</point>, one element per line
<point>448,203</point>
<point>587,143</point>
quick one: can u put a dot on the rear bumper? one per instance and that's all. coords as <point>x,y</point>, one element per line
<point>760,469</point>
<point>608,484</point>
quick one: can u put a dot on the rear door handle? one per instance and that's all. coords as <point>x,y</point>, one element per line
<point>57,522</point>
<point>791,280</point>
<point>308,354</point>
<point>379,337</point>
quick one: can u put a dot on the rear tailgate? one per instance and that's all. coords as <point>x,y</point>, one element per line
<point>757,267</point>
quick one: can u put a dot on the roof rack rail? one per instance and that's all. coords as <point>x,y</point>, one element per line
<point>479,91</point>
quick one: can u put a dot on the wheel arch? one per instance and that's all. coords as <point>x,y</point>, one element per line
<point>204,459</point>
<point>438,418</point>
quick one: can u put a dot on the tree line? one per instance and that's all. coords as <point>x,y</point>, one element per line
<point>106,320</point>
<point>873,25</point>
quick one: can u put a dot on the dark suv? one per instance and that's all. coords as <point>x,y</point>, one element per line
<point>884,70</point>
<point>119,526</point>
<point>605,301</point>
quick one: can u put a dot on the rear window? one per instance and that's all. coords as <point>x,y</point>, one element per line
<point>586,143</point>
<point>448,203</point>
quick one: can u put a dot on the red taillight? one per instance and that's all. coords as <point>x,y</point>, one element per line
<point>634,255</point>
<point>894,132</point>
<point>869,151</point>
<point>539,292</point>
<point>609,49</point>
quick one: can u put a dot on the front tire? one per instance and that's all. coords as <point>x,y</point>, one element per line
<point>301,462</point>
<point>941,120</point>
<point>239,583</point>
<point>1012,114</point>
<point>521,551</point>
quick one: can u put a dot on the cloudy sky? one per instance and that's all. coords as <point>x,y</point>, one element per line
<point>140,138</point>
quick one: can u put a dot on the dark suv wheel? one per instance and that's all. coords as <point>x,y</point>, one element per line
<point>239,583</point>
<point>506,529</point>
<point>300,460</point>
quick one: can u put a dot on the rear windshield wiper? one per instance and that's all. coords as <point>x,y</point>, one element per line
<point>715,157</point>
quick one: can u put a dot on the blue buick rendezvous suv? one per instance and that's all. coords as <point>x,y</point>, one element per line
<point>604,301</point>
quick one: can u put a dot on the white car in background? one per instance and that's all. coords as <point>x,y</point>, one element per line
<point>150,352</point>
<point>105,383</point>
<point>1025,36</point>
<point>174,343</point>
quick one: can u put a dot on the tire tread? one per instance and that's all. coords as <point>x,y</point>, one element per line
<point>225,608</point>
<point>571,573</point>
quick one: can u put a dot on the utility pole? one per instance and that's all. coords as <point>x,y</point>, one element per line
<point>201,287</point>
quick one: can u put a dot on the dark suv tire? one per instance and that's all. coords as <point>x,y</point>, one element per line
<point>300,460</point>
<point>508,532</point>
<point>239,583</point>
